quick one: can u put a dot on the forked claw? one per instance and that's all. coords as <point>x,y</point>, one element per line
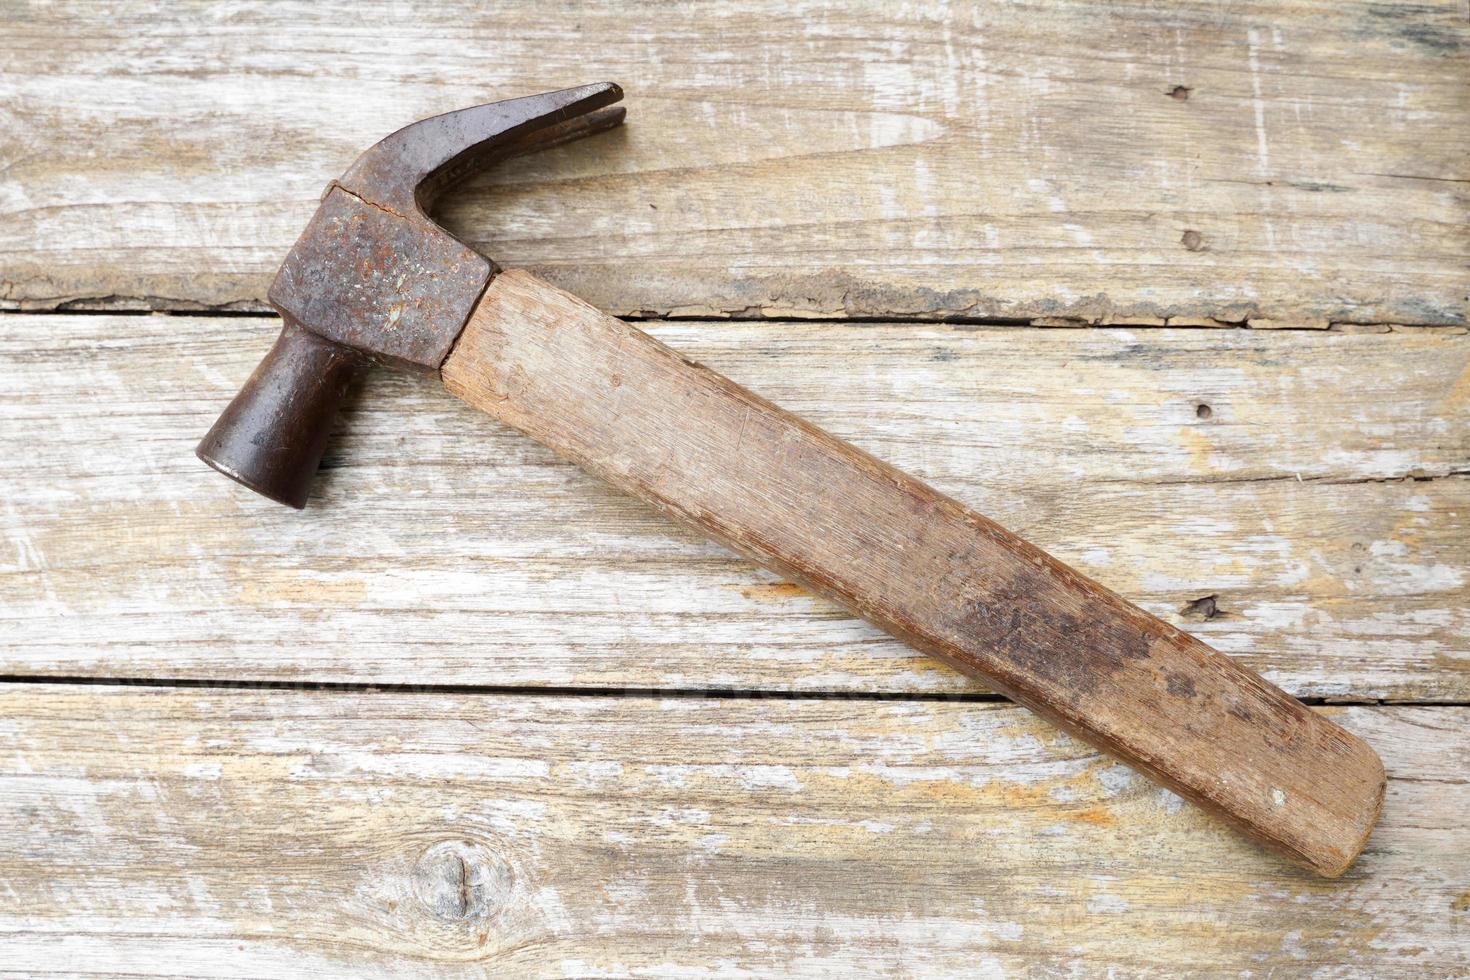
<point>597,121</point>
<point>403,172</point>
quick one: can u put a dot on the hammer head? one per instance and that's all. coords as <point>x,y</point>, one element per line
<point>374,279</point>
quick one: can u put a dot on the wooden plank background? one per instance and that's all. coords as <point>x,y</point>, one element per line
<point>242,833</point>
<point>562,737</point>
<point>1330,533</point>
<point>1039,159</point>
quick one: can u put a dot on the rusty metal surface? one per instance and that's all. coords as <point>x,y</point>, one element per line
<point>406,170</point>
<point>397,287</point>
<point>374,278</point>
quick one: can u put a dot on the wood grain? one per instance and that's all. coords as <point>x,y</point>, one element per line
<point>918,564</point>
<point>442,546</point>
<point>172,832</point>
<point>1286,163</point>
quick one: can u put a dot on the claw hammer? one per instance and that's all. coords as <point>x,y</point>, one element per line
<point>373,279</point>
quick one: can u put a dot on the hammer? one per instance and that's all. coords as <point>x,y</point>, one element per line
<point>373,280</point>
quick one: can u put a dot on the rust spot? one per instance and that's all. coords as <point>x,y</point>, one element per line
<point>1095,815</point>
<point>775,591</point>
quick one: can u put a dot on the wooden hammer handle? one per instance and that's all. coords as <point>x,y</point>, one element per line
<point>918,564</point>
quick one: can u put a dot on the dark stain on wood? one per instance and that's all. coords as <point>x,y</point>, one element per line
<point>1025,619</point>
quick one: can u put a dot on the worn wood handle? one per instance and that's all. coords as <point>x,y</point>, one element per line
<point>918,564</point>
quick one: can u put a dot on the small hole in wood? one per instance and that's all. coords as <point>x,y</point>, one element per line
<point>1180,93</point>
<point>1203,411</point>
<point>1201,610</point>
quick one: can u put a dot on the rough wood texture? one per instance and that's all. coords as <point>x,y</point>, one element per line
<point>1288,163</point>
<point>1285,528</point>
<point>249,833</point>
<point>917,564</point>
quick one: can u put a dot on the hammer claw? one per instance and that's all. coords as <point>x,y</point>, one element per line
<point>405,171</point>
<point>575,128</point>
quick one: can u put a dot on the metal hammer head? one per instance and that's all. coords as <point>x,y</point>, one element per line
<point>374,279</point>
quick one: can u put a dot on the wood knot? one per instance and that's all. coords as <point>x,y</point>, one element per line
<point>461,879</point>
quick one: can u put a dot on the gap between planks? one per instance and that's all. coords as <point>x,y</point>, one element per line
<point>654,693</point>
<point>146,306</point>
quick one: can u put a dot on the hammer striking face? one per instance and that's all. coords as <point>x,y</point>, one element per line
<point>372,279</point>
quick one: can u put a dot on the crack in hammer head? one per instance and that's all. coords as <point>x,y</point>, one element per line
<point>374,279</point>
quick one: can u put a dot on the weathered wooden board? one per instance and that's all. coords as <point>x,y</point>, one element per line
<point>1283,162</point>
<point>174,832</point>
<point>442,548</point>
